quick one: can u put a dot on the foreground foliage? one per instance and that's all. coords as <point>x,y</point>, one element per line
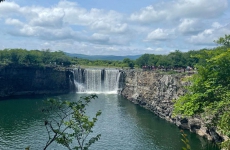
<point>209,92</point>
<point>70,125</point>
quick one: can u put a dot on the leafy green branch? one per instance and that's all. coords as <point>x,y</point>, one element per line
<point>70,124</point>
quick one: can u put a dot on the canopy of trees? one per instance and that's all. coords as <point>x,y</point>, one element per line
<point>173,60</point>
<point>33,57</point>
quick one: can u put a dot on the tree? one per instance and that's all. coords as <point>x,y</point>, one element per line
<point>129,62</point>
<point>177,59</point>
<point>143,60</point>
<point>1,1</point>
<point>224,40</point>
<point>70,123</point>
<point>209,92</point>
<point>190,58</point>
<point>163,61</point>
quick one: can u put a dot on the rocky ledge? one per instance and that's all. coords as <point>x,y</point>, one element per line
<point>156,92</point>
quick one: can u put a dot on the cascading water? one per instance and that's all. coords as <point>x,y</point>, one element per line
<point>97,80</point>
<point>78,75</point>
<point>93,81</point>
<point>111,80</point>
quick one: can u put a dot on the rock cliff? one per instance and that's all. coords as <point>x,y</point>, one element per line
<point>156,92</point>
<point>29,80</point>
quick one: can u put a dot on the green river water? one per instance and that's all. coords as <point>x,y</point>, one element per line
<point>123,126</point>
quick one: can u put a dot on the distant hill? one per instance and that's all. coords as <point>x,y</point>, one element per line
<point>103,57</point>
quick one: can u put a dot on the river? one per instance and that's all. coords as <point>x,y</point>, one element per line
<point>123,126</point>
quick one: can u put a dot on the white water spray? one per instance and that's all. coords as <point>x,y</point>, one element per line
<point>97,80</point>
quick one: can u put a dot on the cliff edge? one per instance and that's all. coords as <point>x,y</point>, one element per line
<point>30,80</point>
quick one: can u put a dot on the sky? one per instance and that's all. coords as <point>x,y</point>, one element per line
<point>113,27</point>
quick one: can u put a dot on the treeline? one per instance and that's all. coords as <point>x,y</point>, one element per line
<point>177,59</point>
<point>33,57</point>
<point>99,63</point>
<point>48,58</point>
<point>173,60</point>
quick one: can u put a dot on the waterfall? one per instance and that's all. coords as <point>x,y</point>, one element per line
<point>78,75</point>
<point>93,81</point>
<point>110,80</point>
<point>97,80</point>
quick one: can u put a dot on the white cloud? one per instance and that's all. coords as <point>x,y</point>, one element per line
<point>96,19</point>
<point>40,20</point>
<point>216,25</point>
<point>205,37</point>
<point>48,18</point>
<point>190,26</point>
<point>179,9</point>
<point>108,27</point>
<point>149,49</point>
<point>8,8</point>
<point>100,38</point>
<point>158,34</point>
<point>148,14</point>
<point>103,39</point>
<point>14,22</point>
<point>47,33</point>
<point>52,23</point>
<point>209,35</point>
<point>28,31</point>
<point>159,49</point>
<point>157,28</point>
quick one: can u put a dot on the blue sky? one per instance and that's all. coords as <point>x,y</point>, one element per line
<point>102,27</point>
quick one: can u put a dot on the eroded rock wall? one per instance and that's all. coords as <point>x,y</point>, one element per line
<point>156,92</point>
<point>24,80</point>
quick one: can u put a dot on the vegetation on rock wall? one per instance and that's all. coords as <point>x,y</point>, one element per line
<point>209,92</point>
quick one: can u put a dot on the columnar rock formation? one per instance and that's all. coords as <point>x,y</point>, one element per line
<point>156,92</point>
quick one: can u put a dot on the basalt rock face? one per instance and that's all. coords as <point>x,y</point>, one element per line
<point>156,92</point>
<point>24,80</point>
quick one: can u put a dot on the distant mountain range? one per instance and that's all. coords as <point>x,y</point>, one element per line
<point>103,57</point>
